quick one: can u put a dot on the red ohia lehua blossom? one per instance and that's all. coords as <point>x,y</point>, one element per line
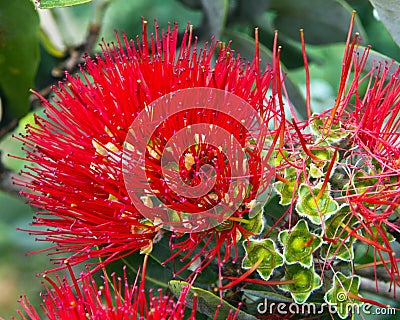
<point>372,163</point>
<point>349,165</point>
<point>115,298</point>
<point>76,177</point>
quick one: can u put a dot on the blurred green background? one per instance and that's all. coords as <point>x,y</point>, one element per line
<point>36,45</point>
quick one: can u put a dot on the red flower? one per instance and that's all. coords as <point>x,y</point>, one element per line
<point>76,177</point>
<point>115,298</point>
<point>350,162</point>
<point>373,124</point>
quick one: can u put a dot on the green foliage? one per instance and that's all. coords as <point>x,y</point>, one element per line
<point>389,13</point>
<point>299,244</point>
<point>48,4</point>
<point>338,295</point>
<point>335,134</point>
<point>378,234</point>
<point>255,224</point>
<point>244,44</point>
<point>19,55</point>
<point>325,24</point>
<point>311,207</point>
<point>263,254</point>
<point>341,250</point>
<point>306,280</point>
<point>215,12</point>
<point>207,303</point>
<point>332,19</point>
<point>285,190</point>
<point>336,229</point>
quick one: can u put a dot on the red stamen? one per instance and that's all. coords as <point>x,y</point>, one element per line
<point>244,275</point>
<point>328,174</point>
<point>263,282</point>
<point>305,60</point>
<point>282,179</point>
<point>303,142</point>
<point>365,300</point>
<point>345,75</point>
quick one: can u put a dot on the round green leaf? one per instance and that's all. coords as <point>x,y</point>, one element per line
<point>334,135</point>
<point>341,251</point>
<point>255,224</point>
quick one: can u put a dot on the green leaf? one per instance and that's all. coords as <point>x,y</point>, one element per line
<point>341,250</point>
<point>49,46</point>
<point>306,281</point>
<point>334,226</point>
<point>157,275</point>
<point>263,252</point>
<point>299,244</point>
<point>126,15</point>
<point>192,4</point>
<point>19,54</point>
<point>10,145</point>
<point>245,45</point>
<point>251,10</point>
<point>335,229</point>
<point>361,183</point>
<point>323,21</point>
<point>215,12</point>
<point>325,73</point>
<point>338,297</point>
<point>269,295</point>
<point>333,135</point>
<point>48,4</point>
<point>162,252</point>
<point>255,224</point>
<point>284,190</point>
<point>207,303</point>
<point>378,234</point>
<point>374,58</point>
<point>315,209</point>
<point>324,65</point>
<point>389,14</point>
<point>315,172</point>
